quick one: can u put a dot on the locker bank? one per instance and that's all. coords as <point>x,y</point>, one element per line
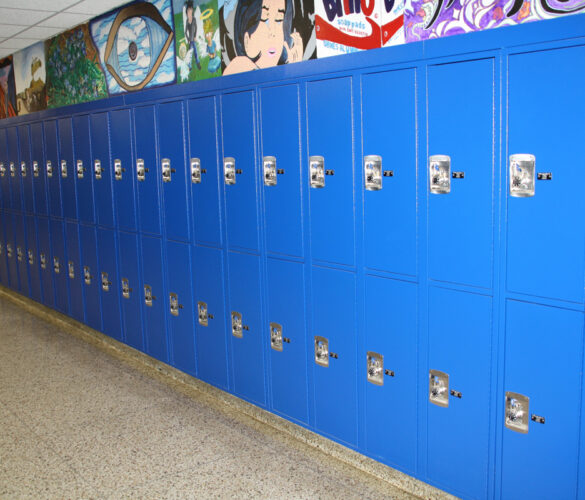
<point>386,248</point>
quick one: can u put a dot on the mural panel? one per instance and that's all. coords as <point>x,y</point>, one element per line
<point>7,88</point>
<point>30,76</point>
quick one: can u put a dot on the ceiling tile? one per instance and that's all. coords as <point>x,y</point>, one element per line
<point>17,16</point>
<point>95,8</point>
<point>52,5</point>
<point>5,52</point>
<point>40,32</point>
<point>7,30</point>
<point>16,43</point>
<point>65,20</point>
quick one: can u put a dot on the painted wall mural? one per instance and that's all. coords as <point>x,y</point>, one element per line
<point>73,71</point>
<point>135,45</point>
<point>7,88</point>
<point>30,76</point>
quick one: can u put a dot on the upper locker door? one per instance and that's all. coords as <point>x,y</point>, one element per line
<point>4,171</point>
<point>461,172</point>
<point>389,170</point>
<point>38,170</point>
<point>82,170</point>
<point>122,169</point>
<point>330,170</point>
<point>67,169</point>
<point>281,169</point>
<point>51,167</point>
<point>206,176</point>
<point>546,242</point>
<point>102,170</point>
<point>147,171</point>
<point>173,168</point>
<point>14,169</point>
<point>25,169</point>
<point>239,170</point>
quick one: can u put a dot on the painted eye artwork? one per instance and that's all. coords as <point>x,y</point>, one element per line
<point>136,46</point>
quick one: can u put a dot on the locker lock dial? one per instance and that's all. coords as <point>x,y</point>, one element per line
<point>80,169</point>
<point>175,306</point>
<point>440,174</point>
<point>64,169</point>
<point>36,169</point>
<point>49,168</point>
<point>23,169</point>
<point>196,171</point>
<point>229,171</point>
<point>439,388</point>
<point>105,282</point>
<point>43,261</point>
<point>166,169</point>
<point>317,171</point>
<point>517,412</point>
<point>97,168</point>
<point>522,175</point>
<point>87,275</point>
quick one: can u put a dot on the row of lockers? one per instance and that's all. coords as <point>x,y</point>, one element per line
<point>335,255</point>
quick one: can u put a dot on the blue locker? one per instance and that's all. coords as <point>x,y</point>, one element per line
<point>287,338</point>
<point>179,304</point>
<point>5,200</point>
<point>461,221</point>
<point>544,361</point>
<point>11,250</point>
<point>205,187</point>
<point>25,169</point>
<point>330,135</point>
<point>74,271</point>
<point>52,168</point>
<point>210,336</point>
<point>239,174</point>
<point>390,381</point>
<point>147,176</point>
<point>67,169</point>
<point>131,293</point>
<point>21,258</point>
<point>460,328</point>
<point>102,170</point>
<point>122,169</point>
<point>248,334</point>
<point>14,169</point>
<point>109,283</point>
<point>546,242</point>
<point>31,256</point>
<point>59,266</point>
<point>282,177</point>
<point>90,277</point>
<point>46,262</point>
<point>174,175</point>
<point>82,170</point>
<point>389,128</point>
<point>334,353</point>
<point>4,274</point>
<point>153,297</point>
<point>38,170</point>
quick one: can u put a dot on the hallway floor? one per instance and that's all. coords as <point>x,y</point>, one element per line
<point>76,422</point>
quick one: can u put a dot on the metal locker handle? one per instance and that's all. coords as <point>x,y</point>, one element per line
<point>31,258</point>
<point>118,169</point>
<point>276,336</point>
<point>317,171</point>
<point>148,297</point>
<point>43,261</point>
<point>71,268</point>
<point>87,275</point>
<point>80,169</point>
<point>19,254</point>
<point>517,412</point>
<point>439,388</point>
<point>12,169</point>
<point>269,166</point>
<point>375,368</point>
<point>440,174</point>
<point>105,282</point>
<point>126,288</point>
<point>140,170</point>
<point>166,169</point>
<point>229,171</point>
<point>64,169</point>
<point>9,250</point>
<point>174,304</point>
<point>36,170</point>
<point>56,265</point>
<point>202,313</point>
<point>49,168</point>
<point>2,169</point>
<point>97,168</point>
<point>195,170</point>
<point>237,325</point>
<point>321,351</point>
<point>373,172</point>
<point>23,169</point>
<point>522,173</point>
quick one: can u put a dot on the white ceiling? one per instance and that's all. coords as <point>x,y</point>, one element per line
<point>26,22</point>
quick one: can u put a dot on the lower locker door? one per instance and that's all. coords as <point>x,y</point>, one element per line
<point>131,294</point>
<point>109,283</point>
<point>59,266</point>
<point>210,327</point>
<point>74,271</point>
<point>11,251</point>
<point>286,337</point>
<point>334,353</point>
<point>20,237</point>
<point>46,262</point>
<point>246,326</point>
<point>544,362</point>
<point>390,379</point>
<point>32,259</point>
<point>460,329</point>
<point>90,277</point>
<point>4,277</point>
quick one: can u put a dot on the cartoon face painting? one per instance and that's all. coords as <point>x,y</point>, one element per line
<point>266,42</point>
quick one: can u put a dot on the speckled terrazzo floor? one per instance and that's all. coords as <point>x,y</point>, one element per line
<point>78,423</point>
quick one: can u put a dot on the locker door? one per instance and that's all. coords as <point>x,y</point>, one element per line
<point>205,193</point>
<point>334,355</point>
<point>59,266</point>
<point>5,200</point>
<point>46,262</point>
<point>546,242</point>
<point>131,293</point>
<point>109,283</point>
<point>389,131</point>
<point>282,188</point>
<point>460,345</point>
<point>285,334</point>
<point>25,169</point>
<point>74,271</point>
<point>172,153</point>
<point>14,169</point>
<point>211,328</point>
<point>153,298</point>
<point>390,382</point>
<point>179,304</point>
<point>238,127</point>
<point>147,176</point>
<point>52,169</point>
<point>32,260</point>
<point>82,170</point>
<point>21,258</point>
<point>545,341</point>
<point>90,277</point>
<point>66,169</point>
<point>102,170</point>
<point>8,220</point>
<point>331,138</point>
<point>38,170</point>
<point>246,326</point>
<point>461,221</point>
<point>123,169</point>
<point>4,274</point>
